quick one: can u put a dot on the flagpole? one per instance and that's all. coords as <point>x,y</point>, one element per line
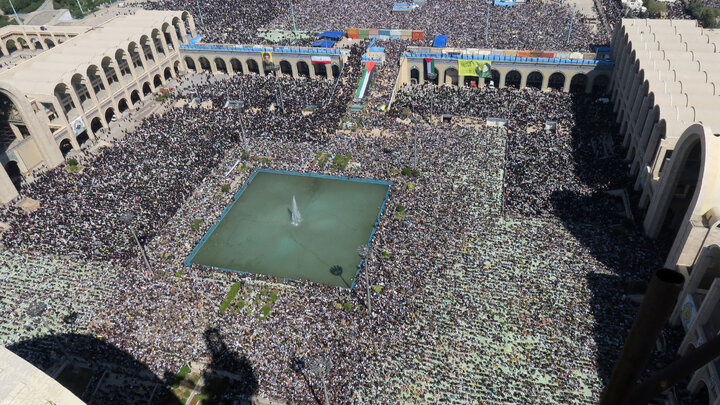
<point>572,18</point>
<point>487,22</point>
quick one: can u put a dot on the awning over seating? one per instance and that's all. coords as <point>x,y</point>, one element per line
<point>331,35</point>
<point>440,41</point>
<point>325,43</point>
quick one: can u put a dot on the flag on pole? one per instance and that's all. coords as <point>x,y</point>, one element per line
<point>320,59</point>
<point>429,65</point>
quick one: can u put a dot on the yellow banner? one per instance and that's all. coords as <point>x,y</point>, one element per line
<point>474,67</point>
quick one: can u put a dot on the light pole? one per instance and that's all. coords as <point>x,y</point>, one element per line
<point>127,219</point>
<point>292,12</point>
<point>280,103</point>
<point>238,105</point>
<point>200,14</point>
<point>432,76</point>
<point>15,12</point>
<point>81,9</point>
<point>364,252</point>
<point>319,367</point>
<point>487,23</point>
<point>572,18</point>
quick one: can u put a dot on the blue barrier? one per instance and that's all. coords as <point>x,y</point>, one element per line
<point>511,59</point>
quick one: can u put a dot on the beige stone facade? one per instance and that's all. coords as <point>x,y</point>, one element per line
<point>61,97</point>
<point>666,92</point>
<point>564,74</point>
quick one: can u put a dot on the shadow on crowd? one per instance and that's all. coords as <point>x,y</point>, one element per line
<point>95,371</point>
<point>101,373</point>
<point>229,378</point>
<point>598,219</point>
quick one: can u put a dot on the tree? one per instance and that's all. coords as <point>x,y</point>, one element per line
<point>708,17</point>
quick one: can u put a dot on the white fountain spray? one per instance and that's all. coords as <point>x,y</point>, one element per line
<point>295,217</point>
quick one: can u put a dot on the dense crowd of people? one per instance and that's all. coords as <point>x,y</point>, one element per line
<point>494,284</point>
<point>535,25</point>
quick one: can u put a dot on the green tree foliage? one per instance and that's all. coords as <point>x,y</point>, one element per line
<point>707,15</point>
<point>21,6</point>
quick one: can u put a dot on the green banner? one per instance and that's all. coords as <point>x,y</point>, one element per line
<point>479,68</point>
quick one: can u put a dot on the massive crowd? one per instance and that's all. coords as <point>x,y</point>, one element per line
<point>536,25</point>
<point>494,286</point>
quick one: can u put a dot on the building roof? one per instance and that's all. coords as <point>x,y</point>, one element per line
<point>40,74</point>
<point>23,383</point>
<point>680,63</point>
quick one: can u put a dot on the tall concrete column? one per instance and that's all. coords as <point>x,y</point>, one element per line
<point>8,192</point>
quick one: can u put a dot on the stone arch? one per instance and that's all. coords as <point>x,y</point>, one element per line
<point>600,84</point>
<point>450,76</point>
<point>335,71</point>
<point>109,114</point>
<point>10,46</point>
<point>494,77</point>
<point>556,81</point>
<point>155,35</point>
<point>205,64</point>
<point>146,89</point>
<point>13,171</point>
<point>134,97</point>
<point>681,190</point>
<point>236,66</point>
<point>62,93</point>
<point>22,43</point>
<point>122,105</point>
<point>81,91</point>
<point>176,67</point>
<point>699,387</point>
<point>167,34</point>
<point>190,63</point>
<point>188,22</point>
<point>414,75</point>
<point>65,146</point>
<point>220,65</point>
<point>36,44</point>
<point>49,42</point>
<point>534,80</point>
<point>133,50</point>
<point>286,68</point>
<point>167,73</point>
<point>96,124</point>
<point>513,79</point>
<point>146,49</point>
<point>95,81</point>
<point>123,64</point>
<point>178,31</point>
<point>320,70</point>
<point>303,69</point>
<point>157,81</point>
<point>578,83</point>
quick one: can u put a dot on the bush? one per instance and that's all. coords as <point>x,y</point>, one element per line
<point>341,161</point>
<point>196,224</point>
<point>265,311</point>
<point>230,296</point>
<point>400,208</point>
<point>72,162</point>
<point>225,188</point>
<point>245,156</point>
<point>386,255</point>
<point>405,171</point>
<point>655,8</point>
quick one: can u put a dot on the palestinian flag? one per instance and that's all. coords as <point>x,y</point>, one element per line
<point>365,80</point>
<point>429,65</point>
<point>320,59</point>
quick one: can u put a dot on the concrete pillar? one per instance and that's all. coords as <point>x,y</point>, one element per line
<point>8,192</point>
